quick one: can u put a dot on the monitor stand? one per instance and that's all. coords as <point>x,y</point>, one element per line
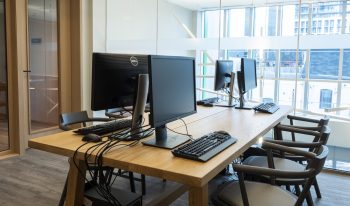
<point>136,131</point>
<point>243,105</point>
<point>230,95</point>
<point>163,140</point>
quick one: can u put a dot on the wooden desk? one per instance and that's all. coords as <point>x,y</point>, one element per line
<point>246,125</point>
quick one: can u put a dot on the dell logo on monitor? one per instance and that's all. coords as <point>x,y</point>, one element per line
<point>134,61</point>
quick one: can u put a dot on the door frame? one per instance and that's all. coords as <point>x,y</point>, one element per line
<point>69,66</point>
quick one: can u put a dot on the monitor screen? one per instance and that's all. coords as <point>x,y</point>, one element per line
<point>223,69</point>
<point>173,96</point>
<point>114,79</point>
<point>247,76</point>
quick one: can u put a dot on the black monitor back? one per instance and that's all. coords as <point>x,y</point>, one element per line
<point>223,69</point>
<point>115,78</point>
<point>247,79</point>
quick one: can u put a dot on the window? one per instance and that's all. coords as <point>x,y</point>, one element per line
<point>346,65</point>
<point>324,64</point>
<point>331,27</point>
<point>265,21</point>
<point>238,24</point>
<point>288,64</point>
<point>266,63</point>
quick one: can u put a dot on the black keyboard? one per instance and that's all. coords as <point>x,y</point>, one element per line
<point>208,101</point>
<point>105,128</point>
<point>266,107</point>
<point>205,147</point>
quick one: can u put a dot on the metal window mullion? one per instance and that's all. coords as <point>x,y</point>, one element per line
<point>307,78</point>
<point>309,24</point>
<point>277,74</point>
<point>340,77</point>
<point>344,17</point>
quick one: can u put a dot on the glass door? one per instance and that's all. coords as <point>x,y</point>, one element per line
<point>43,65</point>
<point>4,134</point>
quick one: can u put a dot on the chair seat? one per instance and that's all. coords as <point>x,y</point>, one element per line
<point>280,163</point>
<point>258,194</point>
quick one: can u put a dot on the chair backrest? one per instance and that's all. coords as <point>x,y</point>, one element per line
<point>115,113</point>
<point>71,118</point>
<point>325,131</point>
<point>320,123</point>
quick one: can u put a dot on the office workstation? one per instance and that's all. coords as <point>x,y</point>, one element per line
<point>168,153</point>
<point>173,102</point>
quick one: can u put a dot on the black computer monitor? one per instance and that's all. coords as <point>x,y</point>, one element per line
<point>247,79</point>
<point>223,69</point>
<point>115,78</point>
<point>173,96</point>
<point>224,79</point>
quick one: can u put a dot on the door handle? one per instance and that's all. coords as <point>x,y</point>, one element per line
<point>27,71</point>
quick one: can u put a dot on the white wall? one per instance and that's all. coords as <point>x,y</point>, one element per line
<point>141,27</point>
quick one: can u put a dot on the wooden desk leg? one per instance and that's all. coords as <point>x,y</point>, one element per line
<point>76,183</point>
<point>198,195</point>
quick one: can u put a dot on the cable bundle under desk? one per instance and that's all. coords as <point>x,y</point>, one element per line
<point>101,175</point>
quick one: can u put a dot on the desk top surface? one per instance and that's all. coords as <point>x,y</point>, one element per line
<point>246,125</point>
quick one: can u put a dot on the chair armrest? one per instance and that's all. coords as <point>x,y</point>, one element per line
<point>290,150</point>
<point>305,119</point>
<point>273,172</point>
<point>295,144</point>
<point>296,130</point>
<point>302,127</point>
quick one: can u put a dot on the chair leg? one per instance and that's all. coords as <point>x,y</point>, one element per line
<point>143,184</point>
<point>297,190</point>
<point>64,194</point>
<point>288,188</point>
<point>309,199</point>
<point>317,189</point>
<point>132,182</point>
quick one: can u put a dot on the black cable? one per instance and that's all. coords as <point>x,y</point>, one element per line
<point>187,134</point>
<point>93,159</point>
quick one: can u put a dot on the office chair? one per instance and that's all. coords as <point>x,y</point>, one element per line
<point>318,124</point>
<point>73,118</point>
<point>247,193</point>
<point>312,125</point>
<point>286,161</point>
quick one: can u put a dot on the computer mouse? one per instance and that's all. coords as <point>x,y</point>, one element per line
<point>222,132</point>
<point>91,138</point>
<point>208,104</point>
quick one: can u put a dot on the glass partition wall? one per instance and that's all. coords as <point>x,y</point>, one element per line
<point>302,49</point>
<point>4,120</point>
<point>43,75</point>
